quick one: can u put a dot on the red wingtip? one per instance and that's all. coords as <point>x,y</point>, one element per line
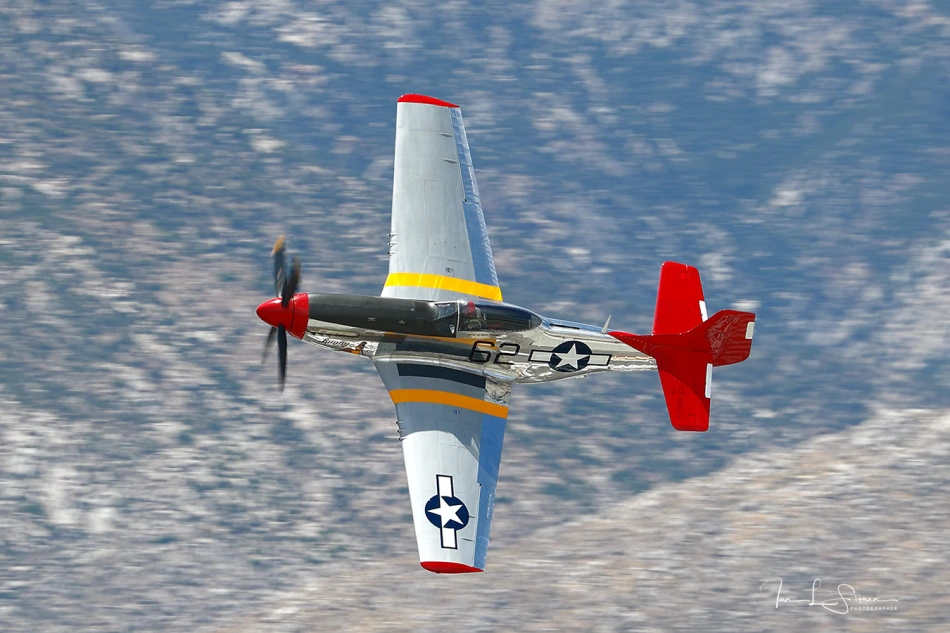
<point>414,98</point>
<point>443,567</point>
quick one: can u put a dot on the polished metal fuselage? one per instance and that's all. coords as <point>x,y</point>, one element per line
<point>554,350</point>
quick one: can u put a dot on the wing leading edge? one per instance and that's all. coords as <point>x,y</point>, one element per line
<point>452,427</point>
<point>439,246</point>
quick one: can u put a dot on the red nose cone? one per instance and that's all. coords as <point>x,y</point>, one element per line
<point>272,313</point>
<point>294,317</point>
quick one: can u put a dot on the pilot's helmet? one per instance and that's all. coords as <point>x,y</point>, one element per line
<point>469,309</point>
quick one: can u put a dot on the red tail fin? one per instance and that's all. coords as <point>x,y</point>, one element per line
<point>685,357</point>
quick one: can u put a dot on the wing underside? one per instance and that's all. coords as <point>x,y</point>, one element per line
<point>439,246</point>
<point>452,426</point>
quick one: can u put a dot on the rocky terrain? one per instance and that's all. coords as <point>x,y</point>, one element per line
<point>151,478</point>
<point>861,508</point>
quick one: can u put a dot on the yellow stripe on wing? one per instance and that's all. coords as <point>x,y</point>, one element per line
<point>441,282</point>
<point>431,396</point>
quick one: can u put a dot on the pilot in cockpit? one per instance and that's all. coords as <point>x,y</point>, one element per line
<point>471,318</point>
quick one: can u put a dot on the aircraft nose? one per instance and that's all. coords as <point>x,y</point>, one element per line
<point>272,313</point>
<point>294,317</point>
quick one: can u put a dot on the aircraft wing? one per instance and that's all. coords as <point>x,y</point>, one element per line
<point>439,247</point>
<point>451,425</point>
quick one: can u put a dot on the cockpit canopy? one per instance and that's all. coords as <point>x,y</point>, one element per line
<point>417,317</point>
<point>479,316</point>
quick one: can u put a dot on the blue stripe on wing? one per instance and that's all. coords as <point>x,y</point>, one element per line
<point>442,373</point>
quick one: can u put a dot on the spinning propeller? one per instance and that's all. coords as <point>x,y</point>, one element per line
<point>289,312</point>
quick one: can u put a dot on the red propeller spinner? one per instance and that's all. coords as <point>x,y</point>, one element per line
<point>294,317</point>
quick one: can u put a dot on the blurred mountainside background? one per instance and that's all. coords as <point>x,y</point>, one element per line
<point>152,478</point>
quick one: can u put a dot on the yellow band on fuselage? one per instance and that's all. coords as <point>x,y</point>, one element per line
<point>432,396</point>
<point>441,282</point>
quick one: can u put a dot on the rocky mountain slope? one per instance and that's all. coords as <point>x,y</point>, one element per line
<point>862,508</point>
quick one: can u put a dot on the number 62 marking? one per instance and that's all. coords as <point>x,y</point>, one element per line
<point>481,355</point>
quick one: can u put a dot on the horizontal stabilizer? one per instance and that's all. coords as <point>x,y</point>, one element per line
<point>687,380</point>
<point>679,300</point>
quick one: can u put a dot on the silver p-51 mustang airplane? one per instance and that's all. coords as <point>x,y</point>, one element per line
<point>449,349</point>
